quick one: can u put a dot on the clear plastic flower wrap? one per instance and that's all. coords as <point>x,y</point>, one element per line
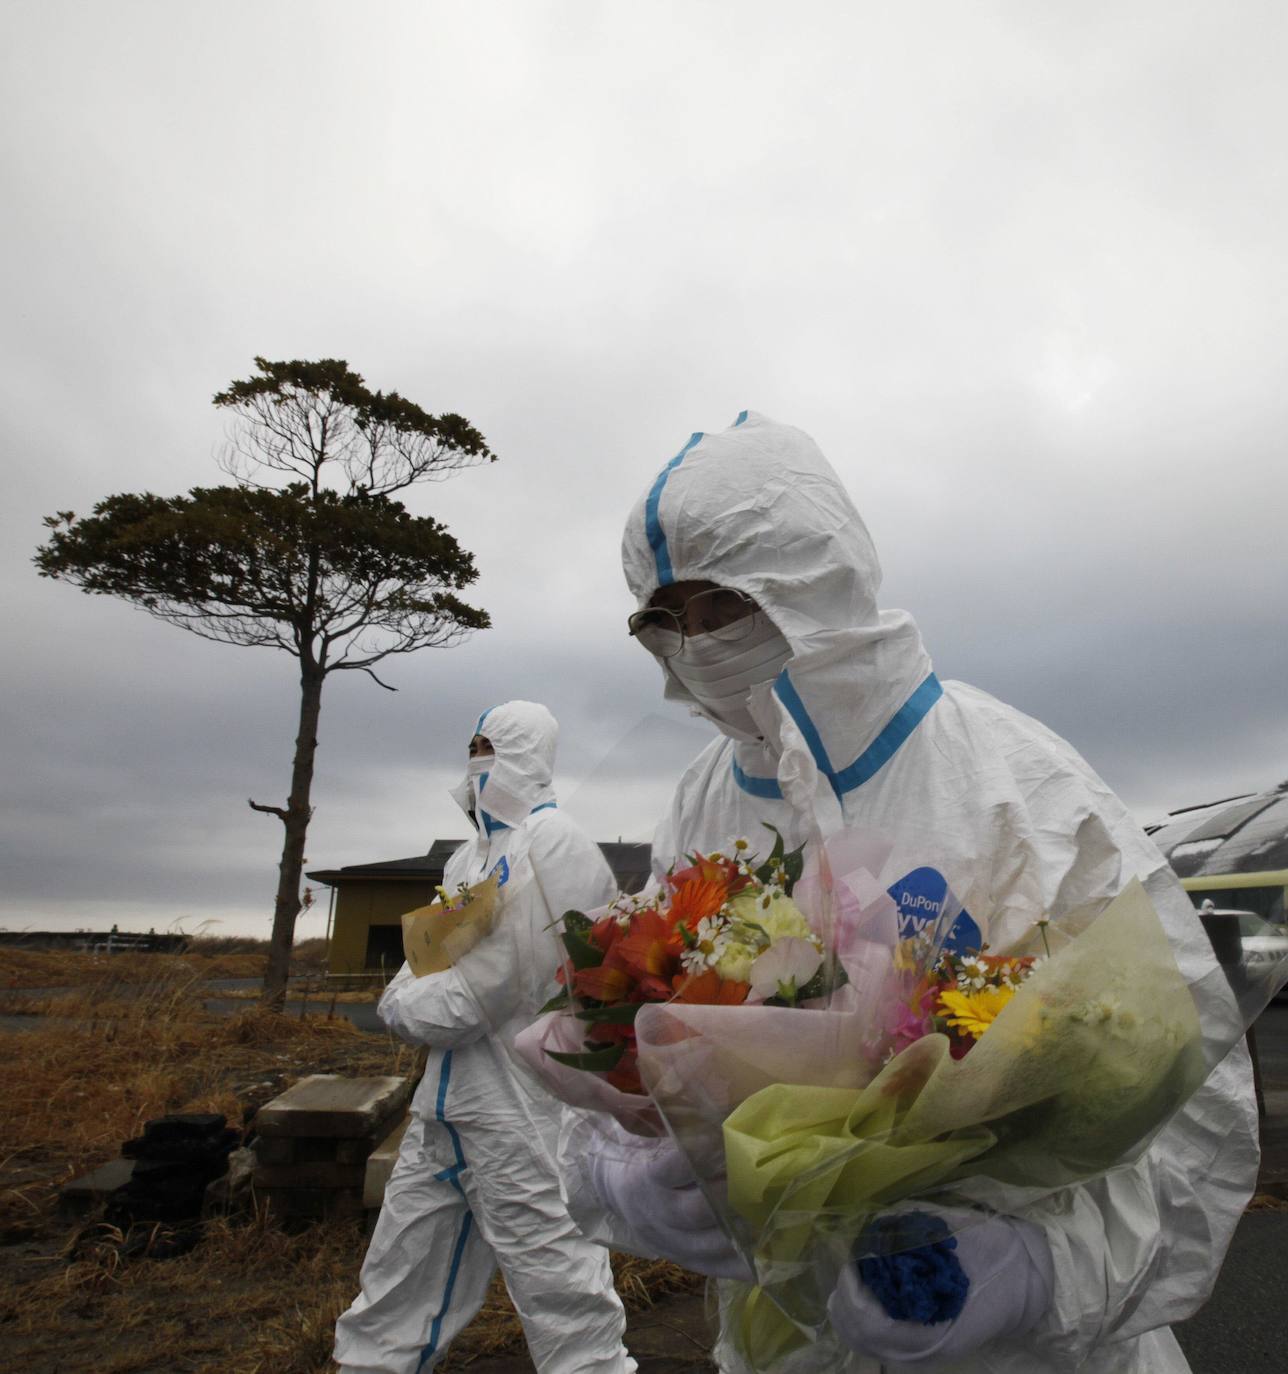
<point>824,1063</point>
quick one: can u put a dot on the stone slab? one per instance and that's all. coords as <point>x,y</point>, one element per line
<point>323,1174</point>
<point>332,1105</point>
<point>381,1164</point>
<point>359,1151</point>
<point>311,1204</point>
<point>312,1149</point>
<point>78,1196</point>
<point>276,1149</point>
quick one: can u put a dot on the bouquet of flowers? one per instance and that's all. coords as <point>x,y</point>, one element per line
<point>722,931</point>
<point>820,1063</point>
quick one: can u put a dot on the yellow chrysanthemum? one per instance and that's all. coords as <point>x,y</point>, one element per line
<point>974,1012</point>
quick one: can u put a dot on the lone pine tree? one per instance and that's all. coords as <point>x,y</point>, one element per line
<point>306,551</point>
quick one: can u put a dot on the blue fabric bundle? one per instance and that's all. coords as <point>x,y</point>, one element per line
<point>914,1273</point>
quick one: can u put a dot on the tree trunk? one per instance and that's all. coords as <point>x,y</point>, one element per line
<point>295,819</point>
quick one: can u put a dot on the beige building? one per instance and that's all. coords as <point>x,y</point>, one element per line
<point>368,900</point>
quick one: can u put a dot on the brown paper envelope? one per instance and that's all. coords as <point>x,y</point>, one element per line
<point>435,937</point>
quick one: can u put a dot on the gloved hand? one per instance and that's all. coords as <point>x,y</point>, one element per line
<point>1011,1275</point>
<point>655,1193</point>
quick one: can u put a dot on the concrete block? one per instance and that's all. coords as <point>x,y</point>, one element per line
<point>278,1149</point>
<point>380,1165</point>
<point>358,1151</point>
<point>331,1105</point>
<point>307,1149</point>
<point>325,1174</point>
<point>82,1194</point>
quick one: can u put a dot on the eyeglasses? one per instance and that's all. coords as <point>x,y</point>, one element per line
<point>720,612</point>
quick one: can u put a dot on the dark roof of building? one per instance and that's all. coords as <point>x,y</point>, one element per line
<point>1239,835</point>
<point>629,862</point>
<point>420,866</point>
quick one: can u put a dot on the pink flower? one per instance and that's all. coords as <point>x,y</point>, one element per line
<point>909,1026</point>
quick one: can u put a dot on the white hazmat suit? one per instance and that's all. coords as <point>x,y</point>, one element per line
<point>857,730</point>
<point>475,1184</point>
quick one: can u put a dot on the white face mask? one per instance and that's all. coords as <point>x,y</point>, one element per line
<point>474,771</point>
<point>719,675</point>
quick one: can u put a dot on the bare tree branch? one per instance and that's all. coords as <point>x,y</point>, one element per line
<point>378,682</point>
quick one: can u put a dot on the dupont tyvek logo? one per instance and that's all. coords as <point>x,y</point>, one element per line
<point>503,868</point>
<point>919,896</point>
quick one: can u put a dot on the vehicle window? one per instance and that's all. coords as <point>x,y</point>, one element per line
<point>1266,902</point>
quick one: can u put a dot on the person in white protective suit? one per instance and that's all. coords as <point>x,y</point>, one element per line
<point>476,1184</point>
<point>757,582</point>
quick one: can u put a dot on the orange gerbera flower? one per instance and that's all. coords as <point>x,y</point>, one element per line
<point>709,989</point>
<point>694,899</point>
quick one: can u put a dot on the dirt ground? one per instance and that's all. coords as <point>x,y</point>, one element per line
<point>250,1298</point>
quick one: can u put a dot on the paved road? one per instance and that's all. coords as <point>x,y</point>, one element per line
<point>362,1014</point>
<point>1244,1327</point>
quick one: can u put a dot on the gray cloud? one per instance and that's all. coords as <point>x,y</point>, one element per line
<point>1020,270</point>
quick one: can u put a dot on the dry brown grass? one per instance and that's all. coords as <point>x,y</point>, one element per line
<point>74,1089</point>
<point>59,968</point>
<point>205,957</point>
<point>1268,1202</point>
<point>315,992</point>
<point>249,1298</point>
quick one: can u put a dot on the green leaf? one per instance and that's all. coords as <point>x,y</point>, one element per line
<point>794,866</point>
<point>766,870</point>
<point>593,1061</point>
<point>559,1002</point>
<point>577,920</point>
<point>581,951</point>
<point>622,1015</point>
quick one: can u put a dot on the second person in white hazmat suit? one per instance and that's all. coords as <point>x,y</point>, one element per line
<point>475,1184</point>
<point>757,583</point>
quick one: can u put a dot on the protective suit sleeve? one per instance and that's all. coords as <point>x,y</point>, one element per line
<point>438,1009</point>
<point>1141,1247</point>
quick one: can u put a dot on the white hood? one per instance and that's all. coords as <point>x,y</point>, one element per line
<point>757,507</point>
<point>523,736</point>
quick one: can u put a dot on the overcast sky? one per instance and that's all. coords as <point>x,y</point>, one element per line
<point>1021,269</point>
